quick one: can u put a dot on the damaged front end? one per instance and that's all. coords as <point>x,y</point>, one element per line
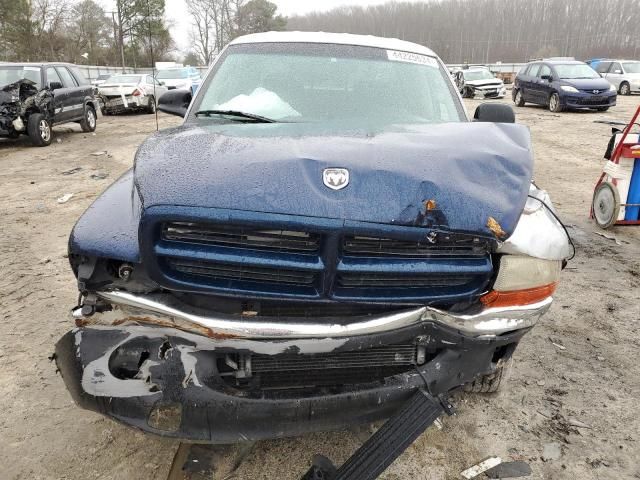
<point>162,366</point>
<point>18,101</point>
<point>223,370</point>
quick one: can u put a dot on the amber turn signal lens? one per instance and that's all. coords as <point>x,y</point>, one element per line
<point>518,297</point>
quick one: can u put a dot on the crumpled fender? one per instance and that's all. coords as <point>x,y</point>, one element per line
<point>538,232</point>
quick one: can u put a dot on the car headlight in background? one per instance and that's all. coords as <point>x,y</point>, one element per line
<point>523,280</point>
<point>569,88</point>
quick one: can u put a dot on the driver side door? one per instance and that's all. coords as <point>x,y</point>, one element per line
<point>60,96</point>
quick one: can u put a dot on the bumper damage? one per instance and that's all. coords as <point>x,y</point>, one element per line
<point>182,374</point>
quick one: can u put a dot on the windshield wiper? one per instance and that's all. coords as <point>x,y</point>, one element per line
<point>237,113</point>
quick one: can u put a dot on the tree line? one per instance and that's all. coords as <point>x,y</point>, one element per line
<point>134,34</point>
<point>485,31</point>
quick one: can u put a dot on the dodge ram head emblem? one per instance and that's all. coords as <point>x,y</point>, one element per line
<point>335,178</point>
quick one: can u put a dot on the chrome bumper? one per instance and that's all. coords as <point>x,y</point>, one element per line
<point>164,310</point>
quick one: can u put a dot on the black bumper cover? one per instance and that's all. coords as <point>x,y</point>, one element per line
<point>217,414</point>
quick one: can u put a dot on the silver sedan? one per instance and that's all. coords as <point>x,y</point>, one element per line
<point>130,92</point>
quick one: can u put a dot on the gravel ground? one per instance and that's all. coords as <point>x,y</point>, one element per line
<point>578,367</point>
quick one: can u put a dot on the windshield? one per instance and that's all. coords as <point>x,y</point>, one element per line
<point>478,75</point>
<point>575,70</point>
<point>632,67</point>
<point>172,74</point>
<point>124,79</point>
<point>12,74</point>
<point>322,82</point>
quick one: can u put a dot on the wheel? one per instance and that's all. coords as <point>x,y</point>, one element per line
<point>467,93</point>
<point>554,103</point>
<point>602,109</point>
<point>491,382</point>
<point>606,204</point>
<point>39,130</point>
<point>105,112</point>
<point>152,105</point>
<point>519,99</point>
<point>88,122</point>
<point>625,88</point>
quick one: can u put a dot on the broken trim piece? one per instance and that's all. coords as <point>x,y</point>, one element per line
<point>489,321</point>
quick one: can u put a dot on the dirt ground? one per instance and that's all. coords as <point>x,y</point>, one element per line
<point>575,381</point>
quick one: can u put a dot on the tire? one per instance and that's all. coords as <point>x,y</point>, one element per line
<point>89,119</point>
<point>490,383</point>
<point>554,103</point>
<point>105,112</point>
<point>467,93</point>
<point>39,130</point>
<point>151,109</point>
<point>519,98</point>
<point>605,205</point>
<point>625,89</point>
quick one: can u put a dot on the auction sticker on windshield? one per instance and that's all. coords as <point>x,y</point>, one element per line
<point>398,56</point>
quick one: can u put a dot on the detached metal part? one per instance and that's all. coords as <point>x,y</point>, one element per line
<point>538,233</point>
<point>170,313</point>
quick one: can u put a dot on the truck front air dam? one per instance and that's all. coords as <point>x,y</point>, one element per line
<point>167,381</point>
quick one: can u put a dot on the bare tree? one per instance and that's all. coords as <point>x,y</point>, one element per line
<point>203,29</point>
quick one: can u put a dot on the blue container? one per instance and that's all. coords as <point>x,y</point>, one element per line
<point>633,213</point>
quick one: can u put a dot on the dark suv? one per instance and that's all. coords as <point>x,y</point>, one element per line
<point>561,85</point>
<point>36,96</point>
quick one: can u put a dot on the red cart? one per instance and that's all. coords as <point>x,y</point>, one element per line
<point>616,196</point>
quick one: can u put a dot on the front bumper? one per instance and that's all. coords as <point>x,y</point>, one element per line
<point>588,100</point>
<point>124,103</point>
<point>486,92</point>
<point>163,373</point>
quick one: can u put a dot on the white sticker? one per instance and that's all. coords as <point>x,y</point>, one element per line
<point>398,56</point>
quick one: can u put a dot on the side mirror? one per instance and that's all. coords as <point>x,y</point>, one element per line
<point>175,102</point>
<point>494,112</point>
<point>548,78</point>
<point>55,85</point>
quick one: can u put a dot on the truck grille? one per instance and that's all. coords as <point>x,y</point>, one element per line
<point>280,258</point>
<point>218,271</point>
<point>238,237</point>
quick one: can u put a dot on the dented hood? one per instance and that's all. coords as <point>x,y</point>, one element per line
<point>471,171</point>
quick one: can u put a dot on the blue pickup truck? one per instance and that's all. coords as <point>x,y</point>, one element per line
<point>326,233</point>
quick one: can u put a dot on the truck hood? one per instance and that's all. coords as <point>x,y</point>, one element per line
<point>469,171</point>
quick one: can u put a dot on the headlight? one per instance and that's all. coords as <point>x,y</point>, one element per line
<point>523,280</point>
<point>569,88</point>
<point>612,88</point>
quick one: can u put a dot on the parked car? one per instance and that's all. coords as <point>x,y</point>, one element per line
<point>307,251</point>
<point>623,74</point>
<point>561,85</point>
<point>100,79</point>
<point>130,92</point>
<point>36,96</point>
<point>480,81</point>
<point>180,78</point>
